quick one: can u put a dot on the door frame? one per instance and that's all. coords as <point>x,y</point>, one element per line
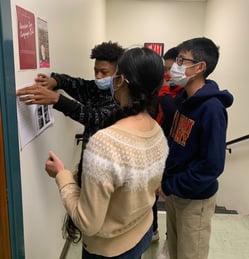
<point>10,133</point>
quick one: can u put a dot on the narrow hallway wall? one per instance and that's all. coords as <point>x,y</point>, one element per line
<point>226,23</point>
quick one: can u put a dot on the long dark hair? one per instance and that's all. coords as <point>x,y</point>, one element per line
<point>144,72</point>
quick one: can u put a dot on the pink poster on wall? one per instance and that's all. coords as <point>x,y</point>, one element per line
<point>26,38</point>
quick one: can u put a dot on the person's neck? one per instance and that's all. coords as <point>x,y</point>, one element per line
<point>142,122</point>
<point>122,95</point>
<point>192,87</point>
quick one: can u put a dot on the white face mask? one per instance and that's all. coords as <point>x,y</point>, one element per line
<point>178,74</point>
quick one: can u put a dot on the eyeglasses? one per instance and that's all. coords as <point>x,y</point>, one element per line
<point>180,60</point>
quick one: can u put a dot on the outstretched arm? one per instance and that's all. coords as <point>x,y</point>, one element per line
<point>37,94</point>
<point>90,115</point>
<point>78,88</point>
<point>91,107</point>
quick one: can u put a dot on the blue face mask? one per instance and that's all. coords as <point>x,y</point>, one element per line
<point>105,83</point>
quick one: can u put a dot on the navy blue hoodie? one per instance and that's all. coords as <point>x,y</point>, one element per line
<point>197,143</point>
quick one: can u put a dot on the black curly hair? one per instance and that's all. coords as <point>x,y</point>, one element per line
<point>107,51</point>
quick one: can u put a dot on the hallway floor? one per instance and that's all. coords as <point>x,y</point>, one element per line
<point>229,239</point>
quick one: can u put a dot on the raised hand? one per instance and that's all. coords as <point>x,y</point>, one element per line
<point>53,165</point>
<point>46,81</point>
<point>37,94</point>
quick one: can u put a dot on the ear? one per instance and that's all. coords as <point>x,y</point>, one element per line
<point>119,82</point>
<point>201,68</point>
<point>124,80</point>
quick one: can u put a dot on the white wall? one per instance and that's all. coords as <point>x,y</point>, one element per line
<point>136,22</point>
<point>74,28</point>
<point>226,23</point>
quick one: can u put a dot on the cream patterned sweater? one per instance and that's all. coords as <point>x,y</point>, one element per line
<point>122,168</point>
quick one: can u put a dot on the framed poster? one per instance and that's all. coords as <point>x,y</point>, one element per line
<point>26,38</point>
<point>157,47</point>
<point>43,43</point>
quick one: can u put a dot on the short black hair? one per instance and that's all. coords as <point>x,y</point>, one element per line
<point>171,54</point>
<point>107,51</point>
<point>202,49</point>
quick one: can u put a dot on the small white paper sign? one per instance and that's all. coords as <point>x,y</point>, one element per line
<point>32,120</point>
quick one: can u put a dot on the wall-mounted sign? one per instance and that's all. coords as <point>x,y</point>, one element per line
<point>26,38</point>
<point>157,47</point>
<point>44,59</point>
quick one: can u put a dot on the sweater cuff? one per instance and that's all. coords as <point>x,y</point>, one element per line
<point>65,104</point>
<point>64,178</point>
<point>57,79</point>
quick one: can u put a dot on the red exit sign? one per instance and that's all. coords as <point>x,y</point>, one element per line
<point>157,47</point>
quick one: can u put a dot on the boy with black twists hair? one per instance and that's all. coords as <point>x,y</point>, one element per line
<point>93,99</point>
<point>122,166</point>
<point>197,143</point>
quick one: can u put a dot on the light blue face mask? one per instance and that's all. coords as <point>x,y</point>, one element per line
<point>105,83</point>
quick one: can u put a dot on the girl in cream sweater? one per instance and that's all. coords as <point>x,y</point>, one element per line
<point>122,166</point>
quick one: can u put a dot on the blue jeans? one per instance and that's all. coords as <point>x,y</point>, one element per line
<point>134,253</point>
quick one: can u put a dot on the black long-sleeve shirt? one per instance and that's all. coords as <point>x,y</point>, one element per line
<point>90,106</point>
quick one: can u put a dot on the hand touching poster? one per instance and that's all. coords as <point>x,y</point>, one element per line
<point>32,120</point>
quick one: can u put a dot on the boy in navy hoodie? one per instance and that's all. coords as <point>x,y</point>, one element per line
<point>197,143</point>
